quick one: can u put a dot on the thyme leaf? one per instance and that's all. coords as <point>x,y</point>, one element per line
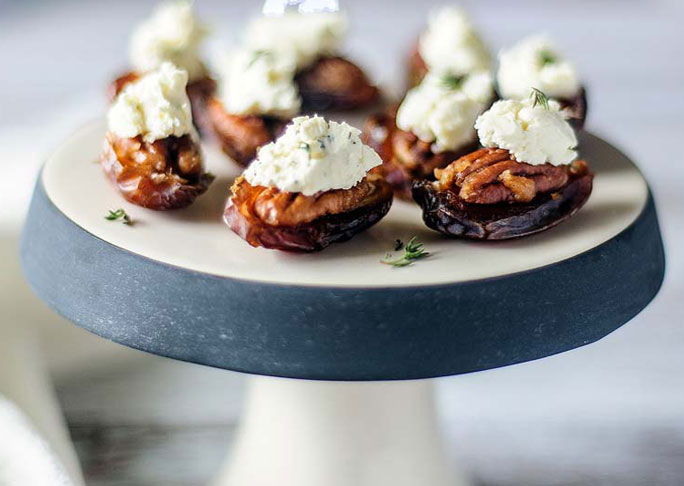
<point>255,57</point>
<point>547,57</point>
<point>119,215</point>
<point>413,250</point>
<point>539,98</point>
<point>451,81</point>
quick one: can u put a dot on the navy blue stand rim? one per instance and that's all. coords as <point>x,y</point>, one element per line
<point>342,334</point>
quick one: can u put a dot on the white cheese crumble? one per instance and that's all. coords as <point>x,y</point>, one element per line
<point>155,106</point>
<point>534,61</point>
<point>451,44</point>
<point>438,112</point>
<point>259,83</point>
<point>533,134</point>
<point>313,155</point>
<point>306,36</point>
<point>171,34</point>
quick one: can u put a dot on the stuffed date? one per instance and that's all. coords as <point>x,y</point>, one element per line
<point>432,127</point>
<point>312,187</point>
<point>527,178</point>
<point>449,45</point>
<point>171,34</point>
<point>164,174</point>
<point>489,195</point>
<point>151,153</point>
<point>334,83</point>
<point>535,62</point>
<point>270,218</point>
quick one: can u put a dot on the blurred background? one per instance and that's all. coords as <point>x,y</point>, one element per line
<point>607,414</point>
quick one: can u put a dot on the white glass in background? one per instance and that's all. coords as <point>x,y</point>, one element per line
<point>279,7</point>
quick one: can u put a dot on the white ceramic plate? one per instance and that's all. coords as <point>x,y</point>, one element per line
<point>196,238</point>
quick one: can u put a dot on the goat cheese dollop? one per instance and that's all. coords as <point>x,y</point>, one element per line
<point>532,133</point>
<point>450,44</point>
<point>256,82</point>
<point>171,34</point>
<point>306,36</point>
<point>534,61</point>
<point>313,155</point>
<point>155,106</point>
<point>443,109</point>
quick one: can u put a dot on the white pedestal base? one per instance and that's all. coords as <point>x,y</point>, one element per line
<point>311,433</point>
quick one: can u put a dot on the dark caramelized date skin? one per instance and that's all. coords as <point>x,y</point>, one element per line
<point>270,218</point>
<point>334,83</point>
<point>417,69</point>
<point>199,93</point>
<point>165,174</point>
<point>576,108</point>
<point>405,158</point>
<point>241,136</point>
<point>488,195</point>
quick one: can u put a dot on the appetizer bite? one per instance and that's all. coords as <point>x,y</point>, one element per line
<point>308,189</point>
<point>172,34</point>
<point>449,45</point>
<point>257,97</point>
<point>527,178</point>
<point>534,61</point>
<point>325,80</point>
<point>433,126</point>
<point>151,152</point>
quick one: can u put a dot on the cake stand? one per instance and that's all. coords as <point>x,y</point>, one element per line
<point>327,336</point>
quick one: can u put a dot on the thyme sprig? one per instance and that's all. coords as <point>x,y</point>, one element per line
<point>547,57</point>
<point>539,98</point>
<point>256,55</point>
<point>451,81</point>
<point>119,215</point>
<point>413,250</point>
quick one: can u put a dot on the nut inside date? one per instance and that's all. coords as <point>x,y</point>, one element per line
<point>270,218</point>
<point>488,195</point>
<point>164,174</point>
<point>405,158</point>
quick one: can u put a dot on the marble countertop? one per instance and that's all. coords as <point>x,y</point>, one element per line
<point>609,413</point>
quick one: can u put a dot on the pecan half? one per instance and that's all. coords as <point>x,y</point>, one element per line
<point>165,174</point>
<point>241,136</point>
<point>405,157</point>
<point>334,83</point>
<point>199,92</point>
<point>265,216</point>
<point>490,176</point>
<point>490,195</point>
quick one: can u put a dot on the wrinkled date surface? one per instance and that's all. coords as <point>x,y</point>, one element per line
<point>405,157</point>
<point>334,83</point>
<point>199,93</point>
<point>165,174</point>
<point>417,69</point>
<point>241,136</point>
<point>576,108</point>
<point>267,217</point>
<point>490,195</point>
